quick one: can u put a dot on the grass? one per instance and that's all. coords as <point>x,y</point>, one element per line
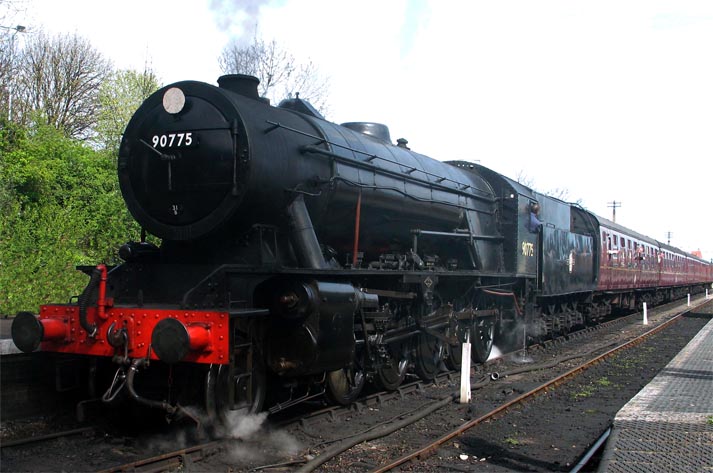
<point>604,382</point>
<point>585,392</point>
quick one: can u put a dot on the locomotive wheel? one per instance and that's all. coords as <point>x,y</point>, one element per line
<point>454,351</point>
<point>345,385</point>
<point>249,383</point>
<point>391,373</point>
<point>429,353</point>
<point>482,335</point>
<point>454,356</point>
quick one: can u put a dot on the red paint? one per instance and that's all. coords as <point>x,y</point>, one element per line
<point>101,302</point>
<point>209,331</point>
<point>199,337</point>
<point>356,230</point>
<point>54,329</point>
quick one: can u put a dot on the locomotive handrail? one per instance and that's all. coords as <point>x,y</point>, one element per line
<point>371,157</point>
<point>417,231</point>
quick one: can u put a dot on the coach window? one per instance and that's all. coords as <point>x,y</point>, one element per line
<point>649,254</point>
<point>622,251</point>
<point>632,252</point>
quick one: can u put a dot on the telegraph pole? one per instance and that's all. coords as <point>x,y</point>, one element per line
<point>614,205</point>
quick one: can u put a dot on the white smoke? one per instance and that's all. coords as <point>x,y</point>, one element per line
<point>241,426</point>
<point>237,17</point>
<point>257,441</point>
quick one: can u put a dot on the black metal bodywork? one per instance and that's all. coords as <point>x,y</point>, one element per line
<point>337,245</point>
<point>265,198</point>
<point>263,206</point>
<point>248,161</point>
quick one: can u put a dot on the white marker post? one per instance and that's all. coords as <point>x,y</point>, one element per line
<point>465,371</point>
<point>706,294</point>
<point>646,319</point>
<point>689,300</point>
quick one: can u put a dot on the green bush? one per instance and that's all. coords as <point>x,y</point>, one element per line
<point>61,207</point>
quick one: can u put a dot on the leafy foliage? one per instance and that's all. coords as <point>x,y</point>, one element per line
<point>61,208</point>
<point>119,97</point>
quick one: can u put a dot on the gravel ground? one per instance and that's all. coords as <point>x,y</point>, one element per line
<point>549,433</point>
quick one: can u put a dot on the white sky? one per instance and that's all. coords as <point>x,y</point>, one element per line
<point>612,100</point>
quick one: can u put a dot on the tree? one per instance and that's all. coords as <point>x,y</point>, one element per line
<point>281,75</point>
<point>119,97</point>
<point>58,83</point>
<point>61,207</point>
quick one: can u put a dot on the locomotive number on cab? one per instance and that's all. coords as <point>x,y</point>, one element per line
<point>173,140</point>
<point>528,249</point>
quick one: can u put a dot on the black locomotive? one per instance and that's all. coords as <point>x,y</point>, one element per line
<point>311,257</point>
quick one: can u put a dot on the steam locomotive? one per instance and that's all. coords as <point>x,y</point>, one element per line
<point>300,258</point>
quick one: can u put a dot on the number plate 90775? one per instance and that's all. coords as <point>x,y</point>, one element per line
<point>174,140</point>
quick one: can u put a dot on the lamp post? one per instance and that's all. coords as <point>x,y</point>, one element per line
<point>16,29</point>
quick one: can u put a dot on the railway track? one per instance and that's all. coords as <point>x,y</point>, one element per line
<point>331,448</point>
<point>430,448</point>
<point>46,437</point>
